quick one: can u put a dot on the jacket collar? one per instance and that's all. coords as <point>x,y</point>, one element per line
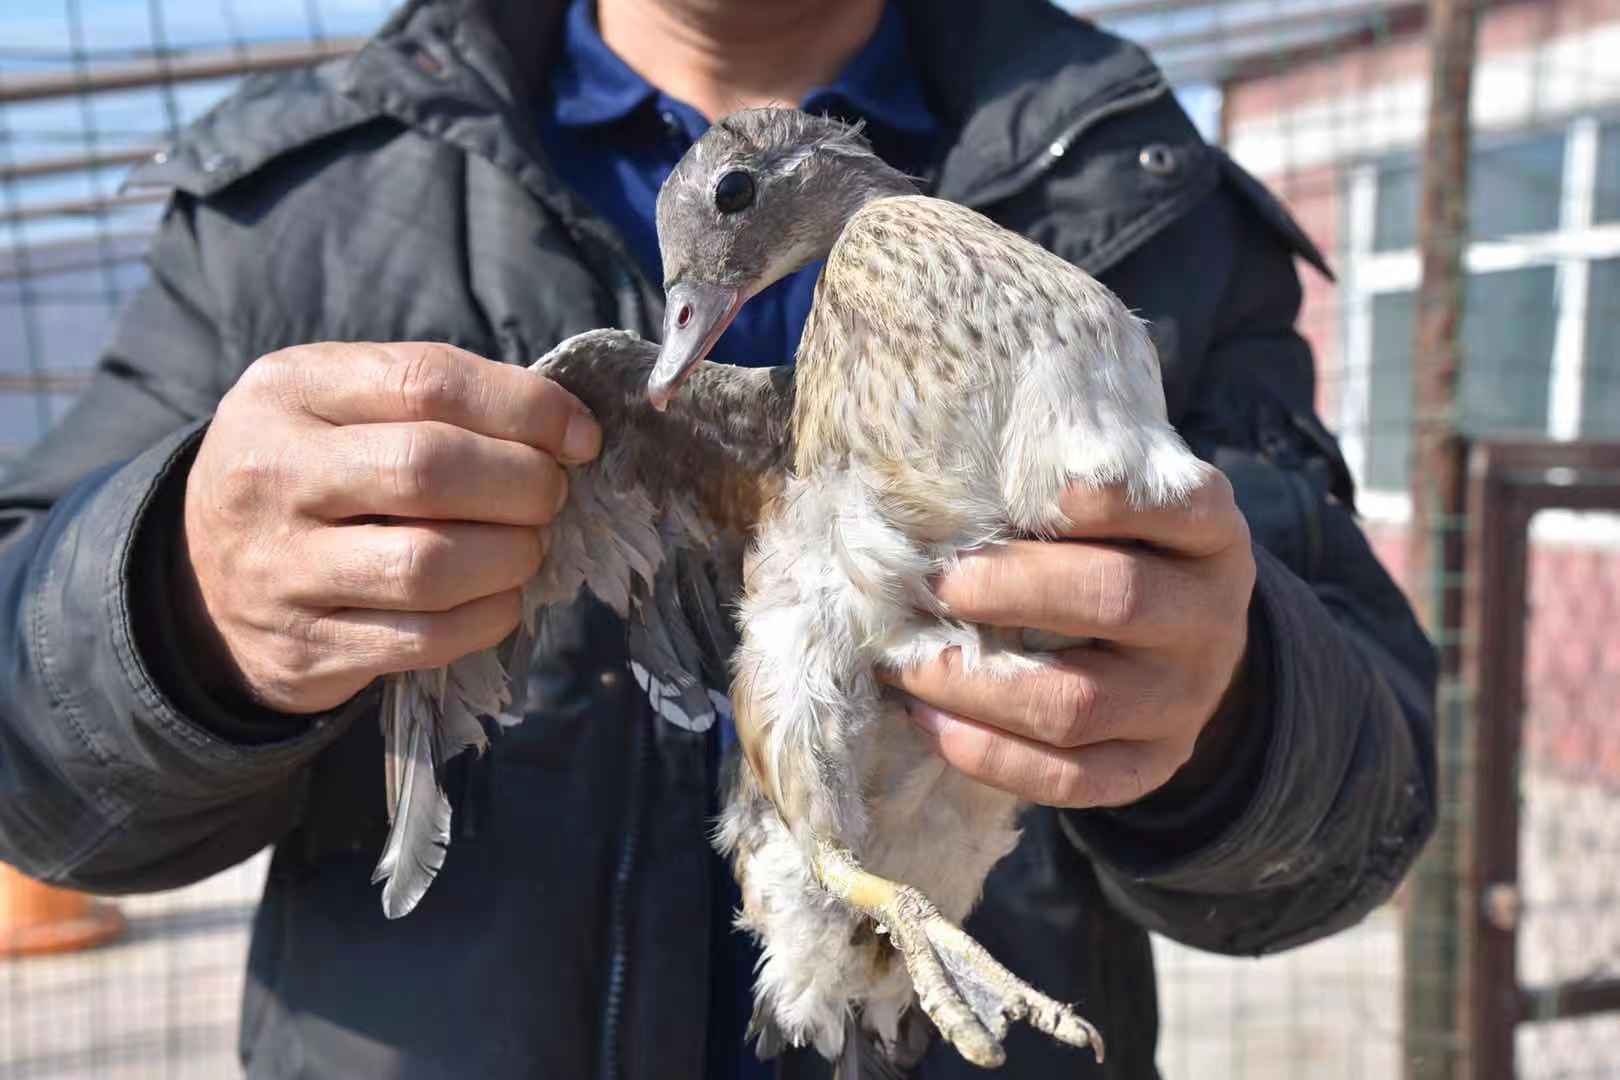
<point>1017,80</point>
<point>592,86</point>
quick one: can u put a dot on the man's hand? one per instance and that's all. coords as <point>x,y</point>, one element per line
<point>1166,591</point>
<point>356,510</point>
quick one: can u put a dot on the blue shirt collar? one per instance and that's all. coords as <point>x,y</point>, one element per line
<point>591,85</point>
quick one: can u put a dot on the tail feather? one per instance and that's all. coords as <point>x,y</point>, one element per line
<point>867,1057</point>
<point>768,1038</point>
<point>418,807</point>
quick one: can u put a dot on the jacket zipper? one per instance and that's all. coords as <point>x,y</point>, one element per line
<point>609,1066</point>
<point>1030,171</point>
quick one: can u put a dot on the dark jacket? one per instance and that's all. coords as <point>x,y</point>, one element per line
<point>400,195</point>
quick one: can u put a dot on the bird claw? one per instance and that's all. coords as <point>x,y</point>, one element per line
<point>966,992</point>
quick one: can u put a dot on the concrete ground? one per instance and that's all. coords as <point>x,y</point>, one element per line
<point>162,1003</point>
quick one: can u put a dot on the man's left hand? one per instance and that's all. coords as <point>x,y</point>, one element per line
<point>1165,594</point>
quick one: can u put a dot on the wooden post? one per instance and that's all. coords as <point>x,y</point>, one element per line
<point>1437,990</point>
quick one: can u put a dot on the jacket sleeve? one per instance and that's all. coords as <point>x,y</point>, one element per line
<point>1330,793</point>
<point>116,772</point>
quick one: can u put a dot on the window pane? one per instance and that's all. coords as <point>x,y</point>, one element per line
<point>1389,404</point>
<point>1508,328</point>
<point>1516,188</point>
<point>1395,226</point>
<point>1606,199</point>
<point>1600,382</point>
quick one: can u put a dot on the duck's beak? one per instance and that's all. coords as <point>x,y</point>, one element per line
<point>695,315</point>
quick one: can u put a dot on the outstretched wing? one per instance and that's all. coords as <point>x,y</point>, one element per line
<point>655,528</point>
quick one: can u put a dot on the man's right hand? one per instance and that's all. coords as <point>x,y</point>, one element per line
<point>359,509</point>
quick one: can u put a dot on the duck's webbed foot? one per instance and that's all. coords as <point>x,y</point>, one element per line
<point>970,997</point>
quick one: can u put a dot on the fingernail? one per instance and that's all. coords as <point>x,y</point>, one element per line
<point>581,439</point>
<point>562,499</point>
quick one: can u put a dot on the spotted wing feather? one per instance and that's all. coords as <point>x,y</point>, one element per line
<point>655,528</point>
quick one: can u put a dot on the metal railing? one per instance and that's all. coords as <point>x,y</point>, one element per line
<point>1509,484</point>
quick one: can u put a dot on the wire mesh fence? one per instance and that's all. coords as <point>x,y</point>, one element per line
<point>161,1001</point>
<point>87,88</point>
<point>1326,101</point>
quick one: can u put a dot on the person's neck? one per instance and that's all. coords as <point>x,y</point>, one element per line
<point>723,55</point>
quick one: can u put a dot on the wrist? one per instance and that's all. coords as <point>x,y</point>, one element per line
<point>1214,785</point>
<point>1218,744</point>
<point>213,670</point>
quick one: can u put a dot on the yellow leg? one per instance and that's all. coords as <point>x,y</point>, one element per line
<point>970,997</point>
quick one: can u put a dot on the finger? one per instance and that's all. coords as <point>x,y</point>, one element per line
<point>429,470</point>
<point>414,566</point>
<point>1206,522</point>
<point>370,383</point>
<point>1105,774</point>
<point>384,642</point>
<point>1084,696</point>
<point>1128,595</point>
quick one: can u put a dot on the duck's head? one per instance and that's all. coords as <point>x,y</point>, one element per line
<point>763,193</point>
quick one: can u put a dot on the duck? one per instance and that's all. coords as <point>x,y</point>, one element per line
<point>770,534</point>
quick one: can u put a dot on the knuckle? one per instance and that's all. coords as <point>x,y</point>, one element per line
<point>270,371</point>
<point>410,642</point>
<point>425,381</point>
<point>978,592</point>
<point>1073,709</point>
<point>1214,506</point>
<point>286,657</point>
<point>1244,580</point>
<point>532,545</point>
<point>267,577</point>
<point>553,407</point>
<point>414,462</point>
<point>1215,493</point>
<point>968,587</point>
<point>550,491</point>
<point>1061,782</point>
<point>506,611</point>
<point>1241,537</point>
<point>415,564</point>
<point>248,476</point>
<point>1120,598</point>
<point>1177,754</point>
<point>1130,786</point>
<point>986,757</point>
<point>283,378</point>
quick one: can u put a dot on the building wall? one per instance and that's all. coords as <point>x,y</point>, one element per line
<point>1306,129</point>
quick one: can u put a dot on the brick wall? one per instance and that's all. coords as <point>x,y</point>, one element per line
<point>1300,128</point>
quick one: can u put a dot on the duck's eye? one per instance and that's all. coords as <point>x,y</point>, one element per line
<point>734,192</point>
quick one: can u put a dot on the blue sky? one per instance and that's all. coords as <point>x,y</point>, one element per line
<point>38,36</point>
<point>121,24</point>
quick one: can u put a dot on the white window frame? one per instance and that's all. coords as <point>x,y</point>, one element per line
<point>1571,249</point>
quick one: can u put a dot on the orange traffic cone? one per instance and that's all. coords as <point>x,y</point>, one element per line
<point>39,918</point>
